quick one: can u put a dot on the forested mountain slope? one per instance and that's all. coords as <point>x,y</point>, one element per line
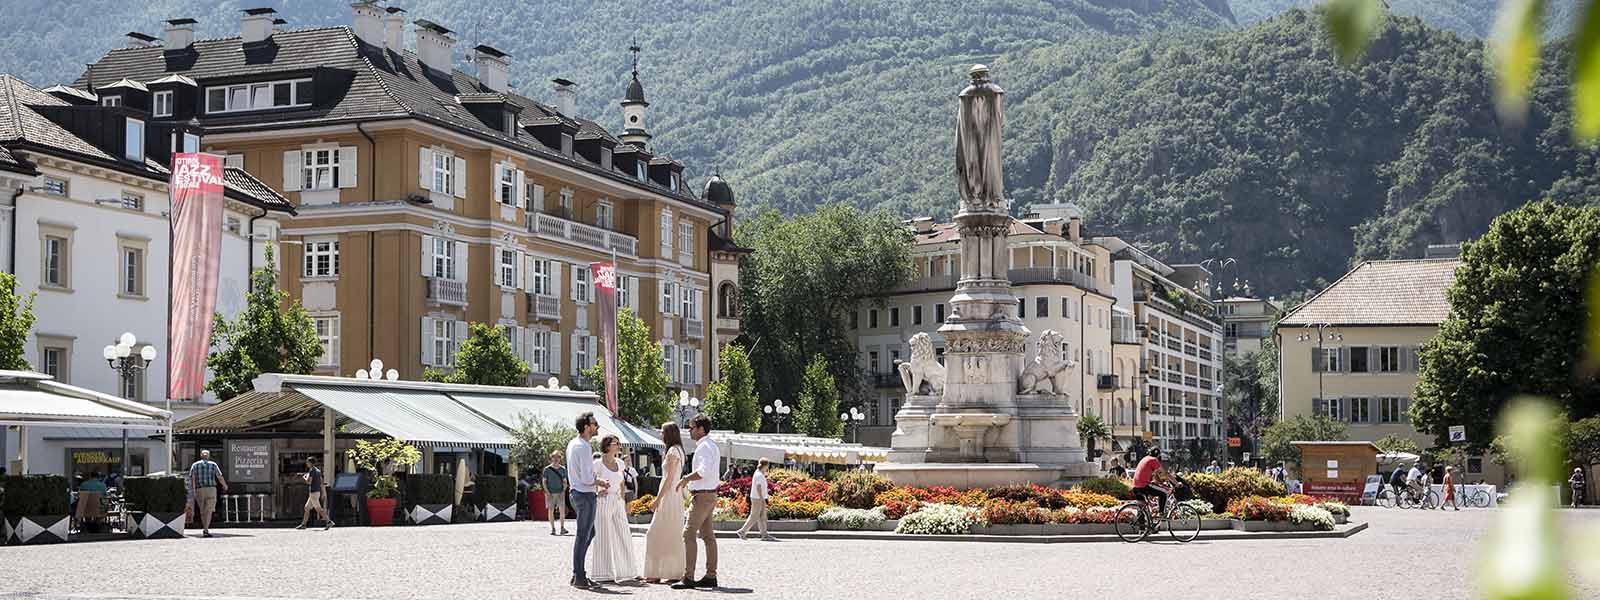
<point>1473,18</point>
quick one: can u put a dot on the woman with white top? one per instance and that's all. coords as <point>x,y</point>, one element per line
<point>613,543</point>
<point>663,543</point>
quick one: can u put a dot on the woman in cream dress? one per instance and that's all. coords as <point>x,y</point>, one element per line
<point>613,543</point>
<point>663,544</point>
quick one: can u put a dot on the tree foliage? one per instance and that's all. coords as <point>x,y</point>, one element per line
<point>731,401</point>
<point>535,438</point>
<point>485,358</point>
<point>1250,384</point>
<point>1390,444</point>
<point>816,409</point>
<point>1277,441</point>
<point>16,321</point>
<point>805,277</point>
<point>641,378</point>
<point>1514,326</point>
<point>272,335</point>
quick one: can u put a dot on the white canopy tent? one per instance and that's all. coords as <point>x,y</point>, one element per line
<point>35,399</point>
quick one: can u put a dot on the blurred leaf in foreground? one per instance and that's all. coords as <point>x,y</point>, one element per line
<point>1524,558</point>
<point>1586,80</point>
<point>1351,24</point>
<point>1515,53</point>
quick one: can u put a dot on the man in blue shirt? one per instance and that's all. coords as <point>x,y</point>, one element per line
<point>314,489</point>
<point>555,493</point>
<point>204,477</point>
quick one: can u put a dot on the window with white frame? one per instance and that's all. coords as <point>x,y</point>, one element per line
<point>580,347</point>
<point>444,259</point>
<point>133,385</point>
<point>320,169</point>
<point>132,201</point>
<point>508,267</point>
<point>321,258</point>
<point>132,271</point>
<point>669,299</point>
<point>53,362</point>
<point>542,278</point>
<point>506,187</point>
<point>1336,409</point>
<point>535,194</point>
<point>1389,359</point>
<point>112,101</point>
<point>134,140</point>
<point>1389,410</point>
<point>666,233</point>
<point>624,287</point>
<point>1330,360</point>
<point>639,173</point>
<point>161,103</point>
<point>603,216</point>
<point>258,96</point>
<point>444,174</point>
<point>691,304</point>
<point>57,258</point>
<point>328,337</point>
<point>668,356</point>
<point>581,291</point>
<point>686,362</point>
<point>566,204</point>
<point>1360,410</point>
<point>541,353</point>
<point>685,241</point>
<point>444,342</point>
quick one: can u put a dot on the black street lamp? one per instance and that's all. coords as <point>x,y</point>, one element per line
<point>777,410</point>
<point>122,359</point>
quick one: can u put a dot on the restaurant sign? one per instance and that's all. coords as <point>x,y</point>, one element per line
<point>249,461</point>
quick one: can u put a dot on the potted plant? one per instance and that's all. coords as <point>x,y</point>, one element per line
<point>157,505</point>
<point>498,495</point>
<point>429,498</point>
<point>532,442</point>
<point>36,509</point>
<point>382,456</point>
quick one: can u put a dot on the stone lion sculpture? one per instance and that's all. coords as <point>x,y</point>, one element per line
<point>1047,372</point>
<point>923,368</point>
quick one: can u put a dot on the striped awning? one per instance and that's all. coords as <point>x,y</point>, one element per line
<point>509,411</point>
<point>422,418</point>
<point>30,399</point>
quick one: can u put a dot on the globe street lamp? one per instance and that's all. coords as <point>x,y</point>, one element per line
<point>1321,354</point>
<point>777,410</point>
<point>852,420</point>
<point>375,372</point>
<point>122,359</point>
<point>687,406</point>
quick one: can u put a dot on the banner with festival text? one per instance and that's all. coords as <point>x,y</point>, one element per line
<point>196,190</point>
<point>605,293</point>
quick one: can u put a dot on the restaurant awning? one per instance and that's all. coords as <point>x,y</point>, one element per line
<point>35,399</point>
<point>417,416</point>
<point>510,410</point>
<point>778,447</point>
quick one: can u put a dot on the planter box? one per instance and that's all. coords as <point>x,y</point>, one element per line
<point>643,519</point>
<point>430,514</point>
<point>1080,529</point>
<point>499,513</point>
<point>1272,526</point>
<point>887,525</point>
<point>36,529</point>
<point>380,511</point>
<point>773,526</point>
<point>1340,519</point>
<point>1009,530</point>
<point>1215,524</point>
<point>155,526</point>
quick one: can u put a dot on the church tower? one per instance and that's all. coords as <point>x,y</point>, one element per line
<point>633,107</point>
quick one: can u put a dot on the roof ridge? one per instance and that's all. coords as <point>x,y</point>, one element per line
<point>223,39</point>
<point>372,71</point>
<point>1288,315</point>
<point>11,101</point>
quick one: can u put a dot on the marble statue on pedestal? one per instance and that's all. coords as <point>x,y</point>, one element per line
<point>924,370</point>
<point>1047,372</point>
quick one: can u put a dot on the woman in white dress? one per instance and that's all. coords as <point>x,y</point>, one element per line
<point>613,543</point>
<point>663,543</point>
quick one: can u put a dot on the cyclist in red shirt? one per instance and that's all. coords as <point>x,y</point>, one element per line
<point>1148,472</point>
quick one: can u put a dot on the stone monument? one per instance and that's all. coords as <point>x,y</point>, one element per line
<point>985,417</point>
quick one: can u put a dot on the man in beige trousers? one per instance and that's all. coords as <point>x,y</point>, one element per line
<point>702,483</point>
<point>758,503</point>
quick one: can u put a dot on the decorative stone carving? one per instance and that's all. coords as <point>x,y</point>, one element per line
<point>987,343</point>
<point>978,124</point>
<point>1047,372</point>
<point>924,367</point>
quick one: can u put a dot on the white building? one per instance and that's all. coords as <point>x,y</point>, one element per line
<point>84,228</point>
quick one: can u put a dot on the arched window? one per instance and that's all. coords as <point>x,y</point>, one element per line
<point>727,300</point>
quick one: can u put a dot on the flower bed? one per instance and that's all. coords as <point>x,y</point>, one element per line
<point>941,519</point>
<point>1257,508</point>
<point>1316,516</point>
<point>640,506</point>
<point>795,510</point>
<point>810,490</point>
<point>898,502</point>
<point>1006,512</point>
<point>852,518</point>
<point>1223,488</point>
<point>858,489</point>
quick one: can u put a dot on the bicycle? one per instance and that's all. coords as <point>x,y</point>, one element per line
<point>1386,497</point>
<point>1478,498</point>
<point>1134,521</point>
<point>1426,499</point>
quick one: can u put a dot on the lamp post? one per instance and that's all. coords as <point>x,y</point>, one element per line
<point>1321,335</point>
<point>687,406</point>
<point>852,421</point>
<point>777,410</point>
<point>375,372</point>
<point>122,359</point>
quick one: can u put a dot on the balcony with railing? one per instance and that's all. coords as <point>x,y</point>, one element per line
<point>544,307</point>
<point>553,227</point>
<point>1063,275</point>
<point>885,380</point>
<point>694,328</point>
<point>931,283</point>
<point>446,291</point>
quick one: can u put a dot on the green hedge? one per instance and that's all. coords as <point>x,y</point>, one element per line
<point>1109,486</point>
<point>426,488</point>
<point>498,489</point>
<point>156,494</point>
<point>36,495</point>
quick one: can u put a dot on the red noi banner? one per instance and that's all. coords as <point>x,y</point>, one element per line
<point>197,203</point>
<point>605,288</point>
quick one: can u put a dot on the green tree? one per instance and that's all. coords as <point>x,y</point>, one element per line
<point>1091,429</point>
<point>1517,297</point>
<point>731,401</point>
<point>816,409</point>
<point>807,274</point>
<point>641,379</point>
<point>273,335</point>
<point>486,358</point>
<point>1395,443</point>
<point>16,321</point>
<point>1585,441</point>
<point>1277,441</point>
<point>535,438</point>
<point>1250,383</point>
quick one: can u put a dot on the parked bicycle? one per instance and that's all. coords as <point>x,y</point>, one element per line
<point>1478,498</point>
<point>1136,520</point>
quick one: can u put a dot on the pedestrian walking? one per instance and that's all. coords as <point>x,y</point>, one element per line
<point>1578,487</point>
<point>1450,489</point>
<point>555,493</point>
<point>663,542</point>
<point>758,502</point>
<point>583,486</point>
<point>702,484</point>
<point>314,489</point>
<point>204,478</point>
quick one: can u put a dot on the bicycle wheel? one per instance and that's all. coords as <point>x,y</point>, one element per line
<point>1132,523</point>
<point>1184,524</point>
<point>1431,500</point>
<point>1385,498</point>
<point>1479,500</point>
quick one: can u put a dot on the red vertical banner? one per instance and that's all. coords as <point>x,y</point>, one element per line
<point>605,293</point>
<point>196,195</point>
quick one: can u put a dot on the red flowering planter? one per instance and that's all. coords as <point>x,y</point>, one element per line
<point>380,511</point>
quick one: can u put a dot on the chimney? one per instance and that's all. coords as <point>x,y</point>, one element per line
<point>1075,228</point>
<point>566,96</point>
<point>141,40</point>
<point>922,225</point>
<point>494,68</point>
<point>394,29</point>
<point>256,25</point>
<point>278,25</point>
<point>180,33</point>
<point>365,21</point>
<point>435,45</point>
<point>1053,226</point>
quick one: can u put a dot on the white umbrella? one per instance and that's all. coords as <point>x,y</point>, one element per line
<point>1394,457</point>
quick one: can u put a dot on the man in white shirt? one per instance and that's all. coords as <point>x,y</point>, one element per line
<point>582,490</point>
<point>702,483</point>
<point>758,502</point>
<point>1414,478</point>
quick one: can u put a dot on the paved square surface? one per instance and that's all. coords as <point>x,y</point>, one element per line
<point>1405,554</point>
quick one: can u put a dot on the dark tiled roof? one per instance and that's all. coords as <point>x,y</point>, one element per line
<point>382,84</point>
<point>247,184</point>
<point>721,244</point>
<point>944,232</point>
<point>11,163</point>
<point>1383,292</point>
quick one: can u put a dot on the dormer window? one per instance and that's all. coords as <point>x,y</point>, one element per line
<point>191,143</point>
<point>134,137</point>
<point>674,182</point>
<point>162,104</point>
<point>511,125</point>
<point>639,171</point>
<point>112,101</point>
<point>258,96</point>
